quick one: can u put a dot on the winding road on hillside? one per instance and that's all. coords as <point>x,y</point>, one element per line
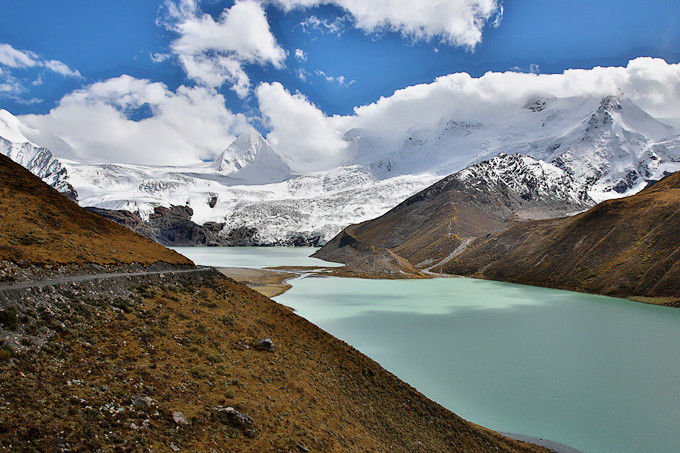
<point>102,276</point>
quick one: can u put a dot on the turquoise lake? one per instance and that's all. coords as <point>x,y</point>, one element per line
<point>595,373</point>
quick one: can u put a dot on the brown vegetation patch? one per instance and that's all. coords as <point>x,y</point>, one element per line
<point>39,225</point>
<point>164,367</point>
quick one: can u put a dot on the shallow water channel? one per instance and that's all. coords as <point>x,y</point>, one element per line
<point>592,372</point>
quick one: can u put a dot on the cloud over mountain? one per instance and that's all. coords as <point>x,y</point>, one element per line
<point>651,83</point>
<point>125,119</point>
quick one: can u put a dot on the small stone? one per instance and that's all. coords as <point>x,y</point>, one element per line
<point>174,447</point>
<point>230,416</point>
<point>266,345</point>
<point>179,418</point>
<point>301,447</point>
<point>141,402</point>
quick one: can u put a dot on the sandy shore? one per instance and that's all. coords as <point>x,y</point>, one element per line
<point>267,282</point>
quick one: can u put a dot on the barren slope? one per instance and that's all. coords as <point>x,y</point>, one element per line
<point>625,247</point>
<point>39,225</point>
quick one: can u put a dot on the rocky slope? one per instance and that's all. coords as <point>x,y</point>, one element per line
<point>38,160</point>
<point>627,247</point>
<point>479,200</point>
<point>177,361</point>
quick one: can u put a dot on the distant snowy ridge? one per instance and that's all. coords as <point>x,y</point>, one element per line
<point>569,150</point>
<point>39,161</point>
<point>608,144</point>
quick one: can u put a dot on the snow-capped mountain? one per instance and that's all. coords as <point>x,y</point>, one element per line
<point>533,180</point>
<point>38,160</point>
<point>608,144</point>
<point>317,204</point>
<point>252,160</point>
<point>579,150</point>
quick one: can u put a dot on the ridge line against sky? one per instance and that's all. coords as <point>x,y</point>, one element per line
<point>199,72</point>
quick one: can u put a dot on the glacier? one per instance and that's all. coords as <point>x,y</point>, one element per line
<point>595,148</point>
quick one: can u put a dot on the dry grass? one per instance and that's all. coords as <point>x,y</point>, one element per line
<point>40,226</point>
<point>193,348</point>
<point>628,247</point>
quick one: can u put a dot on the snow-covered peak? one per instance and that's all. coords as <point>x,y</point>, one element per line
<point>11,128</point>
<point>530,178</point>
<point>251,159</point>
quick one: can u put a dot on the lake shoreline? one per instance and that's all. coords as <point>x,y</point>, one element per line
<point>269,283</point>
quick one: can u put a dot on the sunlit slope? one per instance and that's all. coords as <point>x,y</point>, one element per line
<point>625,247</point>
<point>39,225</point>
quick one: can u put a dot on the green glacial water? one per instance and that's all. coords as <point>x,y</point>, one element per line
<point>596,373</point>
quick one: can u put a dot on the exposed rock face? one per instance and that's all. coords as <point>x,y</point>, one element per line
<point>170,227</point>
<point>173,227</point>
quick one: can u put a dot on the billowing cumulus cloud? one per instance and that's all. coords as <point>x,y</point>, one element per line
<point>214,51</point>
<point>456,22</point>
<point>299,128</point>
<point>177,128</point>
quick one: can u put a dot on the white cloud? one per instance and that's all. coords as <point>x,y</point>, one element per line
<point>300,55</point>
<point>214,51</point>
<point>183,127</point>
<point>457,22</point>
<point>651,83</point>
<point>340,80</point>
<point>323,26</point>
<point>299,129</point>
<point>159,57</point>
<point>305,132</point>
<point>21,59</point>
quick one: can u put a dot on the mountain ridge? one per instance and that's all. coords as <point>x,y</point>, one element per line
<point>626,247</point>
<point>473,202</point>
<point>607,145</point>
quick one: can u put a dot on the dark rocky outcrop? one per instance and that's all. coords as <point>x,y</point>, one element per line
<point>171,227</point>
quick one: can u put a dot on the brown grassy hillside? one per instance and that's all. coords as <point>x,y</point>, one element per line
<point>625,247</point>
<point>192,348</point>
<point>474,202</point>
<point>39,225</point>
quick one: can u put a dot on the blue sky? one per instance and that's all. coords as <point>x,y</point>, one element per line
<point>175,81</point>
<point>106,39</point>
